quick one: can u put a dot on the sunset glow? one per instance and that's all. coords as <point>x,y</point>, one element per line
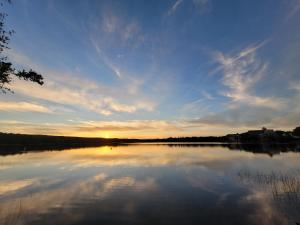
<point>152,69</point>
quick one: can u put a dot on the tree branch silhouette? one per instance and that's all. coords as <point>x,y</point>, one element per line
<point>7,71</point>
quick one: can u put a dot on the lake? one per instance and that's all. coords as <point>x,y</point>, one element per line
<point>150,184</point>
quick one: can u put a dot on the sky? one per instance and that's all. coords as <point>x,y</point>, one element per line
<point>148,69</point>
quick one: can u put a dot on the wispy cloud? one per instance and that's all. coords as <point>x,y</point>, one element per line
<point>116,29</point>
<point>243,117</point>
<point>131,125</point>
<point>202,6</point>
<point>110,22</point>
<point>131,30</point>
<point>12,186</point>
<point>294,8</point>
<point>174,7</point>
<point>76,90</point>
<point>207,95</point>
<point>23,107</point>
<point>127,129</point>
<point>192,105</point>
<point>126,36</point>
<point>295,86</point>
<point>105,59</point>
<point>87,99</point>
<point>241,72</point>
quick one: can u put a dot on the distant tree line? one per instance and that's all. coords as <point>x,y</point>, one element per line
<point>20,142</point>
<point>266,135</point>
<point>296,132</point>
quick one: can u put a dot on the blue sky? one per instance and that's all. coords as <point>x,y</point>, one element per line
<point>154,68</point>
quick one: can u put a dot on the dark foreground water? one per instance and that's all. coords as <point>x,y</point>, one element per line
<point>150,184</point>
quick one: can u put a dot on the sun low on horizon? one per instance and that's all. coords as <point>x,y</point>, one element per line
<point>153,69</point>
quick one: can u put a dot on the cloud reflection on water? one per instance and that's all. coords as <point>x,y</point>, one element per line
<point>141,184</point>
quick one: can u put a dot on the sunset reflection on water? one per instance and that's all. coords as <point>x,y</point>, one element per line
<point>146,184</point>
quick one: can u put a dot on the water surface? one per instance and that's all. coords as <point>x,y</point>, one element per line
<point>150,184</point>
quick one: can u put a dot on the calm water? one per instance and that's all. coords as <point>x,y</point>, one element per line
<point>150,184</point>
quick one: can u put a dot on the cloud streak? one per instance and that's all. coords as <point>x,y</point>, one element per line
<point>75,90</point>
<point>200,6</point>
<point>241,72</point>
<point>126,129</point>
<point>174,7</point>
<point>245,109</point>
<point>294,9</point>
<point>23,107</point>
